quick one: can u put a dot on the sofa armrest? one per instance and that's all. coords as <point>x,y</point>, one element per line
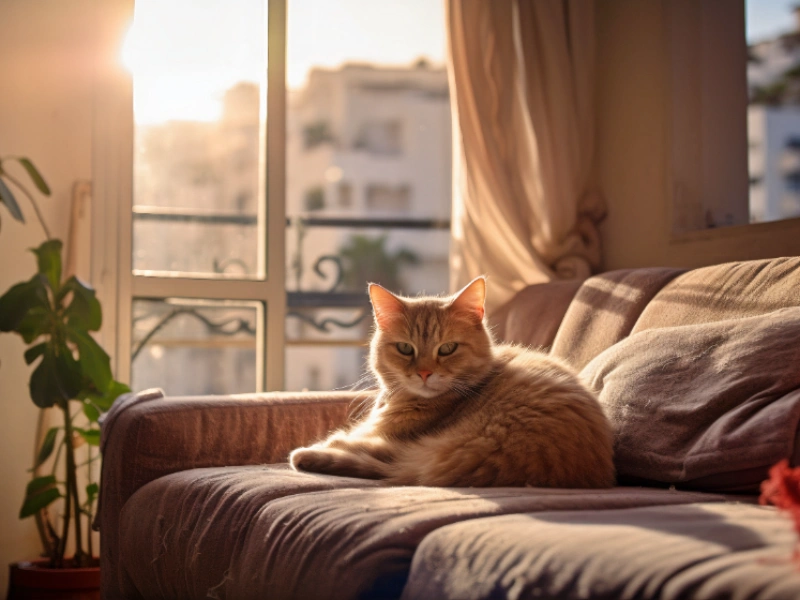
<point>146,436</point>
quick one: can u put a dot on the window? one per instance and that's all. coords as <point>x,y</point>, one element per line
<point>355,75</point>
<point>315,198</point>
<point>316,134</point>
<point>345,194</point>
<point>388,198</point>
<point>720,179</point>
<point>380,137</point>
<point>201,275</point>
<point>244,238</point>
<point>773,113</point>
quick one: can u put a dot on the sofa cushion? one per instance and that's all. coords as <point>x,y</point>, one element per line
<point>604,311</point>
<point>698,551</point>
<point>709,406</point>
<point>178,533</point>
<point>533,315</point>
<point>727,291</point>
<point>258,532</point>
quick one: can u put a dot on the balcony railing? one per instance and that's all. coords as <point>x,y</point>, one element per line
<point>312,308</point>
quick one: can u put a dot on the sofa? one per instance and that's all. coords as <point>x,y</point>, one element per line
<point>698,370</point>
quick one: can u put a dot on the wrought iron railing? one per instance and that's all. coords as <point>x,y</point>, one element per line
<point>302,305</point>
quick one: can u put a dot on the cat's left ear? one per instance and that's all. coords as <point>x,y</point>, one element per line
<point>471,299</point>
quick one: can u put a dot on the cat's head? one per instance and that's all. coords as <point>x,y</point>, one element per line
<point>429,346</point>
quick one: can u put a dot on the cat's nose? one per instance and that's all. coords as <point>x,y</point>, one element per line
<point>424,375</point>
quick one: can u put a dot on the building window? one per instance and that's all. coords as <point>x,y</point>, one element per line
<point>345,194</point>
<point>315,199</point>
<point>388,198</point>
<point>380,137</point>
<point>316,134</point>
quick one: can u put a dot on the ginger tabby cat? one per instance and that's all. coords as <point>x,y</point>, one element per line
<point>456,409</point>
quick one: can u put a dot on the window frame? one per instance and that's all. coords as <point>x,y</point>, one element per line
<point>112,214</point>
<point>707,158</point>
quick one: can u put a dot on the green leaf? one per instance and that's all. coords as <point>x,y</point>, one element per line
<point>38,484</point>
<point>20,299</point>
<point>93,360</point>
<point>35,323</point>
<point>84,310</point>
<point>57,378</point>
<point>47,446</point>
<point>36,502</point>
<point>92,436</point>
<point>35,176</point>
<point>91,411</point>
<point>7,198</point>
<point>48,255</point>
<point>91,493</point>
<point>34,352</point>
<point>115,389</point>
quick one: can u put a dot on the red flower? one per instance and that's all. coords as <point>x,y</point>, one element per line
<point>783,490</point>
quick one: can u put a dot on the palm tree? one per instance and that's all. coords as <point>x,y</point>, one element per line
<point>367,260</point>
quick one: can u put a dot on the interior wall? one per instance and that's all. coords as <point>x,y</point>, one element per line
<point>634,152</point>
<point>47,58</point>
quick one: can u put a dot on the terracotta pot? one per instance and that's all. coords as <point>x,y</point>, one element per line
<point>33,580</point>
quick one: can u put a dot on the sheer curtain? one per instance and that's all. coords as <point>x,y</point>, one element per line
<point>522,77</point>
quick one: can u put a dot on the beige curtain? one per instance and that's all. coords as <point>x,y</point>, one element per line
<point>521,76</point>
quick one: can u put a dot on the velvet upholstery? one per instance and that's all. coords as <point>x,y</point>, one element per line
<point>146,437</point>
<point>197,502</point>
<point>268,532</point>
<point>605,311</point>
<point>707,406</point>
<point>514,323</point>
<point>727,291</point>
<point>695,551</point>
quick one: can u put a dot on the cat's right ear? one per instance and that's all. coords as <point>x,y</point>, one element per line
<point>471,298</point>
<point>387,307</point>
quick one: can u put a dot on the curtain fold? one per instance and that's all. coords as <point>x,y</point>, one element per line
<point>522,87</point>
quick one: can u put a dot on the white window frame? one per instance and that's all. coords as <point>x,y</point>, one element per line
<point>112,215</point>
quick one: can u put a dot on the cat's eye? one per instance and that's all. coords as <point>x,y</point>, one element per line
<point>405,348</point>
<point>447,349</point>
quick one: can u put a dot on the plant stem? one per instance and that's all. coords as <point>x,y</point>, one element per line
<point>45,529</point>
<point>25,191</point>
<point>88,461</point>
<point>89,515</point>
<point>72,489</point>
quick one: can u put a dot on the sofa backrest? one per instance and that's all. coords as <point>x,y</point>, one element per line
<point>605,310</point>
<point>579,321</point>
<point>532,317</point>
<point>726,291</point>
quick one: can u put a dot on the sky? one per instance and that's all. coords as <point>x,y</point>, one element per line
<point>185,53</point>
<point>767,18</point>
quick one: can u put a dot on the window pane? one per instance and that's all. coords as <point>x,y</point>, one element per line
<point>198,69</point>
<point>773,115</point>
<point>195,347</point>
<point>368,173</point>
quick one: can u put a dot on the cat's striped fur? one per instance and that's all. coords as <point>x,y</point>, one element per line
<point>456,409</point>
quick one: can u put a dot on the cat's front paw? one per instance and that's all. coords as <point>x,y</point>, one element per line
<point>310,459</point>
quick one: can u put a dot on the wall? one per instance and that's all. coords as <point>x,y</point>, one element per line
<point>48,56</point>
<point>634,152</point>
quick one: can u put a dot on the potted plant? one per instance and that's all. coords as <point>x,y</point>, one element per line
<point>55,317</point>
